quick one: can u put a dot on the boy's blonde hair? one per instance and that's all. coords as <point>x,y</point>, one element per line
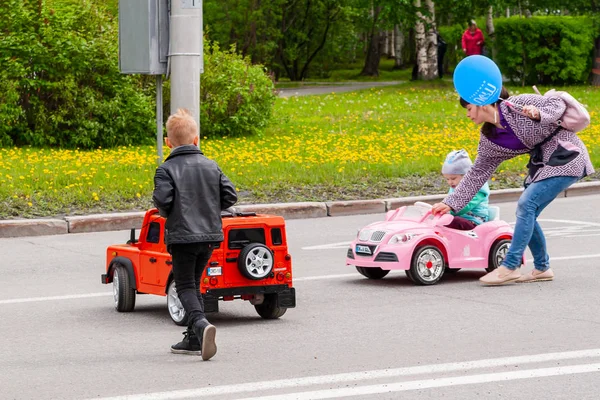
<point>181,128</point>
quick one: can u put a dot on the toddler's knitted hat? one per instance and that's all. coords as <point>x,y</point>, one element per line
<point>457,163</point>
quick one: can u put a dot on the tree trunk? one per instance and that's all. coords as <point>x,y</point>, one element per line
<point>371,67</point>
<point>386,43</point>
<point>426,42</point>
<point>398,47</point>
<point>392,44</point>
<point>491,31</point>
<point>596,68</point>
<point>489,22</point>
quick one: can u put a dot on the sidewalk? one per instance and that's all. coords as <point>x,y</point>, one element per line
<point>124,221</point>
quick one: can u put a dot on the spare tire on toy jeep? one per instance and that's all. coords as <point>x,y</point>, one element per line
<point>255,261</point>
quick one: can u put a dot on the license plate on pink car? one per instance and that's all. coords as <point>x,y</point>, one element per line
<point>363,249</point>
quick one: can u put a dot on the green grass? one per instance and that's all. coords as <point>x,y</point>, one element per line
<point>374,143</point>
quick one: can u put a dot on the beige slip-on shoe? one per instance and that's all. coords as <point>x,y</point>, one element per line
<point>536,276</point>
<point>501,276</point>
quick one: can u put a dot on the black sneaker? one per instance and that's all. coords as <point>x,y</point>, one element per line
<point>206,332</point>
<point>189,345</point>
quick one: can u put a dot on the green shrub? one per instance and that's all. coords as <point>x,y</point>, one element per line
<point>60,84</point>
<point>545,49</point>
<point>236,97</point>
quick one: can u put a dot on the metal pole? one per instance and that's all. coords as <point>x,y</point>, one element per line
<point>159,118</point>
<point>185,56</point>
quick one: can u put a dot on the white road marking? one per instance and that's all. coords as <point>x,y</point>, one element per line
<point>352,377</point>
<point>299,279</point>
<point>52,298</point>
<point>432,383</point>
<point>323,277</point>
<point>581,229</point>
<point>569,221</point>
<point>580,257</point>
<point>338,245</point>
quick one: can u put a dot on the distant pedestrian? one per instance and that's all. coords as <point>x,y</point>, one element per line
<point>472,40</point>
<point>441,51</point>
<point>190,191</point>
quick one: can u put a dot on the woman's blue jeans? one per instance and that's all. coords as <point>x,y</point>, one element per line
<point>527,230</point>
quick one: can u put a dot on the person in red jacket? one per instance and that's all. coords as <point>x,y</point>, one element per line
<point>472,40</point>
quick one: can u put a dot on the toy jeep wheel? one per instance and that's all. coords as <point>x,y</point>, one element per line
<point>123,294</point>
<point>268,309</point>
<point>255,261</point>
<point>372,272</point>
<point>176,310</point>
<point>498,254</point>
<point>427,266</point>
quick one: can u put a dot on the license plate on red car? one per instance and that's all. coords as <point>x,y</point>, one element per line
<point>363,249</point>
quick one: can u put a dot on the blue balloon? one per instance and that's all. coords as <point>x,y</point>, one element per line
<point>478,80</point>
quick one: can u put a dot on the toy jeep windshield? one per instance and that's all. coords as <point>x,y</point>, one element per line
<point>252,264</point>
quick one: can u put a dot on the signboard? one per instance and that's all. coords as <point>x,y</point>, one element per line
<point>191,3</point>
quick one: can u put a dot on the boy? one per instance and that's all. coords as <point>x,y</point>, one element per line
<point>456,165</point>
<point>190,191</point>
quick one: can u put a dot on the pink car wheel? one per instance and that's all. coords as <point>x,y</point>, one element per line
<point>427,266</point>
<point>372,272</point>
<point>497,254</point>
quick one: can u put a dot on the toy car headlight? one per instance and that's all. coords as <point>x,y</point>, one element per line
<point>364,235</point>
<point>402,238</point>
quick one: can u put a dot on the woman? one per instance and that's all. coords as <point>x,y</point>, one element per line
<point>472,40</point>
<point>559,159</point>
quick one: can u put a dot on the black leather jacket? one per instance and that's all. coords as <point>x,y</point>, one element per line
<point>190,190</point>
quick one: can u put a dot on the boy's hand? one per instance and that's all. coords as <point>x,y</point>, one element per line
<point>440,208</point>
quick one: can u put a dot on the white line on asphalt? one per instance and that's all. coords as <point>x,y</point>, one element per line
<point>299,279</point>
<point>338,245</point>
<point>556,230</point>
<point>50,298</point>
<point>323,277</point>
<point>432,383</point>
<point>581,257</point>
<point>569,221</point>
<point>384,373</point>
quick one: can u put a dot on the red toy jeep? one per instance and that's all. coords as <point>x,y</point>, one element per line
<point>251,264</point>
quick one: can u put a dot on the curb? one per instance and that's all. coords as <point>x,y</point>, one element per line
<point>303,210</point>
<point>104,222</point>
<point>33,227</point>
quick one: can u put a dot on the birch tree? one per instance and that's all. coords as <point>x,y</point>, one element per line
<point>426,40</point>
<point>398,47</point>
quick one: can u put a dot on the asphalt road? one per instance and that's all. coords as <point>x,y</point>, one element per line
<point>349,337</point>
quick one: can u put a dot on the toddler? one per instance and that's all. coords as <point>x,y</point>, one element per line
<point>456,165</point>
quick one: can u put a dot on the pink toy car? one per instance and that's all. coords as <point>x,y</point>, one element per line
<point>413,240</point>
